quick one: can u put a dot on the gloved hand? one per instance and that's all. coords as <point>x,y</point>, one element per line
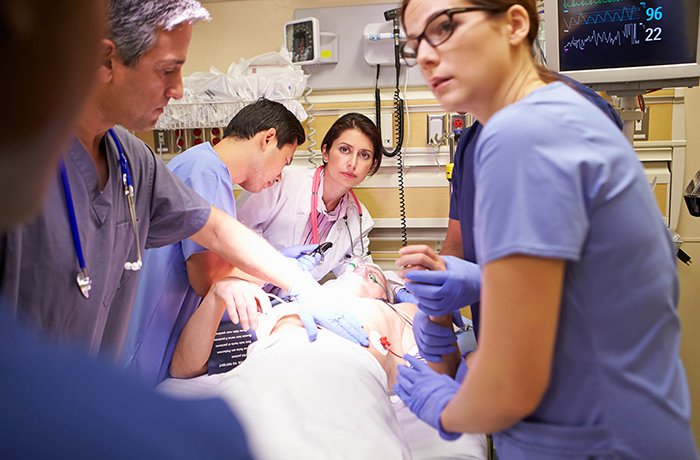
<point>440,292</point>
<point>403,295</point>
<point>432,340</point>
<point>426,393</point>
<point>317,306</point>
<point>306,262</point>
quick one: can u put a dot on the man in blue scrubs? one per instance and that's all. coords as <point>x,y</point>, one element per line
<point>56,404</point>
<point>140,71</point>
<point>258,142</point>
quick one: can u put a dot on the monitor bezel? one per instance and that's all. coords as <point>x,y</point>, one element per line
<point>641,77</point>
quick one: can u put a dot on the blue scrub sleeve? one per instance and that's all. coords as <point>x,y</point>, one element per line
<point>530,196</point>
<point>215,190</point>
<point>177,211</point>
<point>594,98</point>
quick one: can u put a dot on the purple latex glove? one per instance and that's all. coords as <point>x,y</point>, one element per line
<point>303,258</point>
<point>432,340</point>
<point>440,292</point>
<point>403,295</point>
<point>316,306</point>
<point>426,393</point>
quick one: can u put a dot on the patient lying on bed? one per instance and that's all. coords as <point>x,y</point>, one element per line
<point>329,398</point>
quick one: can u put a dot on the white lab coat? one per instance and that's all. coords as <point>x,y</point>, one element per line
<point>281,212</point>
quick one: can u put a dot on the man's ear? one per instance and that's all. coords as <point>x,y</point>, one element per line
<point>270,136</point>
<point>107,57</point>
<point>519,24</point>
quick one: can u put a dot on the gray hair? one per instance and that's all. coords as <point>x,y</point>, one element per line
<point>133,25</point>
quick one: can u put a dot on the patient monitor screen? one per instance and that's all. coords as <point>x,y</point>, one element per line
<point>595,34</point>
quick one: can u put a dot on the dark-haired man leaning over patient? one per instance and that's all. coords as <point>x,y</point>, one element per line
<point>258,143</point>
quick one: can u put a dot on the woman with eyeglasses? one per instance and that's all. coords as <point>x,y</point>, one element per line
<point>579,340</point>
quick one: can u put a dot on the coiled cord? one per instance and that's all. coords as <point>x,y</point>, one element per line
<point>402,200</point>
<point>311,131</point>
<point>398,113</point>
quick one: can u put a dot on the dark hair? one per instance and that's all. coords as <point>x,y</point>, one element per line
<point>498,7</point>
<point>365,126</point>
<point>263,115</point>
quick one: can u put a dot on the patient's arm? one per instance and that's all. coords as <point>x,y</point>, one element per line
<point>241,298</point>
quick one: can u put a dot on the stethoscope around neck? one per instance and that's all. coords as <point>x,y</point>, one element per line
<point>83,279</point>
<point>315,185</point>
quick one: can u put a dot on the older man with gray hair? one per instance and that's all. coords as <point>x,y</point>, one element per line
<point>73,271</point>
<point>56,404</point>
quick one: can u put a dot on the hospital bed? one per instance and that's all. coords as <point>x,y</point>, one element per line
<point>312,410</point>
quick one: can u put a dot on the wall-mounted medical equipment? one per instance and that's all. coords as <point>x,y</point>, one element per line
<point>624,46</point>
<point>307,44</point>
<point>692,195</point>
<point>398,119</point>
<point>352,70</point>
<point>392,16</point>
<point>378,43</point>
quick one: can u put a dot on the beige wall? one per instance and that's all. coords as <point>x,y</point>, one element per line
<point>242,29</point>
<point>689,229</point>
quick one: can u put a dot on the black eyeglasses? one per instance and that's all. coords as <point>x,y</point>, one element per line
<point>438,30</point>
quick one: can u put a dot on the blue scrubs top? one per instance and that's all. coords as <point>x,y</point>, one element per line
<point>554,179</point>
<point>56,404</point>
<point>165,300</point>
<point>462,193</point>
<point>38,264</point>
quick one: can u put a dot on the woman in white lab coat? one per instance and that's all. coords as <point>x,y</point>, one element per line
<point>352,150</point>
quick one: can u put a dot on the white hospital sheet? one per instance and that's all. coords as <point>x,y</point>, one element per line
<point>314,400</point>
<point>322,400</point>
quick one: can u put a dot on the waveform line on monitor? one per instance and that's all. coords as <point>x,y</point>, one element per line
<point>584,3</point>
<point>597,17</point>
<point>629,31</point>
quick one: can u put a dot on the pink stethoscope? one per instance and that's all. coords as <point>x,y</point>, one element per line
<point>315,185</point>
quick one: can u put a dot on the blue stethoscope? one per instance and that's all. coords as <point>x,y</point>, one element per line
<point>83,279</point>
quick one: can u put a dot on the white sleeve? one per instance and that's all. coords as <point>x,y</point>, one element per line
<point>367,226</point>
<point>254,210</point>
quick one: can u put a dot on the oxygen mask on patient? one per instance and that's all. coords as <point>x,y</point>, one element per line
<point>356,266</point>
<point>362,279</point>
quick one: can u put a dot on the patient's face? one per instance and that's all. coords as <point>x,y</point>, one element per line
<point>365,280</point>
